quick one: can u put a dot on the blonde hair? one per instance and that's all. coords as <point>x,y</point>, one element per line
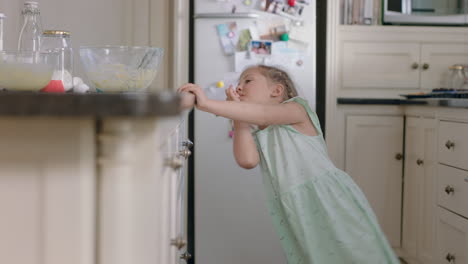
<point>279,76</point>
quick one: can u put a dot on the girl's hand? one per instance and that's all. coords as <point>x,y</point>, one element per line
<point>232,95</point>
<point>200,98</point>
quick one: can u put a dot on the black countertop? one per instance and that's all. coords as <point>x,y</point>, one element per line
<point>379,101</point>
<point>89,104</point>
<point>441,102</point>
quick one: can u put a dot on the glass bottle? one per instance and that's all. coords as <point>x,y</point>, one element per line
<point>2,17</point>
<point>59,41</point>
<point>31,31</point>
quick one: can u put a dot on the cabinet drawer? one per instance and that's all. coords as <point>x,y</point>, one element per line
<point>452,189</point>
<point>453,144</point>
<point>452,233</point>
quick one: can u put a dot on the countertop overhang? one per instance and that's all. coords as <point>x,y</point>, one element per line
<point>89,104</point>
<point>442,102</point>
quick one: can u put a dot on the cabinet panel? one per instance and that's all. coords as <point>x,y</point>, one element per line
<point>452,189</point>
<point>452,233</point>
<point>380,65</point>
<point>47,191</point>
<point>372,146</point>
<point>453,144</point>
<point>438,57</point>
<point>419,201</point>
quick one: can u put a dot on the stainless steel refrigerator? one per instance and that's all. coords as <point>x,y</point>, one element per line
<point>231,221</point>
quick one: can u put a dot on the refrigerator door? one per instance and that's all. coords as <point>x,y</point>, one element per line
<point>232,224</point>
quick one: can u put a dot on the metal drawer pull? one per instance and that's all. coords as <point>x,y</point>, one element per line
<point>425,66</point>
<point>186,256</point>
<point>449,189</point>
<point>449,144</point>
<point>415,66</point>
<point>185,153</point>
<point>178,243</point>
<point>419,162</point>
<point>450,257</point>
<point>174,162</point>
<point>399,156</point>
<point>187,143</point>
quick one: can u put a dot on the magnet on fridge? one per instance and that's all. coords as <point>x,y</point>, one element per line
<point>247,2</point>
<point>220,84</point>
<point>284,37</point>
<point>291,2</point>
<point>231,34</point>
<point>299,62</point>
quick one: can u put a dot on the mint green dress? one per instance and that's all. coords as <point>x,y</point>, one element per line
<point>319,213</point>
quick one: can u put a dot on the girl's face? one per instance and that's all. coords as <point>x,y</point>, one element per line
<point>254,87</point>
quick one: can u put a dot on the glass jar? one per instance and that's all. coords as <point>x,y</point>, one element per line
<point>2,17</point>
<point>59,41</point>
<point>457,76</point>
<point>31,31</point>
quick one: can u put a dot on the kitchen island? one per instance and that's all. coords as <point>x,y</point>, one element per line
<point>92,178</point>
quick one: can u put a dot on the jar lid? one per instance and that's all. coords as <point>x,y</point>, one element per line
<point>34,3</point>
<point>456,67</point>
<point>58,33</point>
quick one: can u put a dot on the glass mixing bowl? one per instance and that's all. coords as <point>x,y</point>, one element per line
<point>121,68</point>
<point>26,71</point>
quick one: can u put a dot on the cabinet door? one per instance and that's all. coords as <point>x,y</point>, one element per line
<point>47,191</point>
<point>374,147</point>
<point>419,196</point>
<point>452,238</point>
<point>435,60</point>
<point>380,65</point>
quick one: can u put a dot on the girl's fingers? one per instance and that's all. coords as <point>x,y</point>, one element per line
<point>185,87</point>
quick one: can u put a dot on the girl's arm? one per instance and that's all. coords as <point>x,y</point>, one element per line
<point>245,149</point>
<point>259,114</point>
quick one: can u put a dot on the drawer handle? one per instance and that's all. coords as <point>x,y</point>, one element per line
<point>415,66</point>
<point>186,256</point>
<point>187,143</point>
<point>185,153</point>
<point>178,243</point>
<point>174,162</point>
<point>449,144</point>
<point>425,66</point>
<point>450,257</point>
<point>399,156</point>
<point>449,189</point>
<point>419,162</point>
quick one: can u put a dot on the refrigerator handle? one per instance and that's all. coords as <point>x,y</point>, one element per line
<point>226,15</point>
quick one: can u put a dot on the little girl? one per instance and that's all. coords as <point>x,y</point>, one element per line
<point>319,213</point>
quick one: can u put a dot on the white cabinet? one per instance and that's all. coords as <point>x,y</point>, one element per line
<point>419,198</point>
<point>176,149</point>
<point>452,234</point>
<point>453,144</point>
<point>71,195</point>
<point>380,65</point>
<point>437,58</point>
<point>452,191</point>
<point>374,148</point>
<point>47,191</point>
<point>401,65</point>
<point>141,196</point>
